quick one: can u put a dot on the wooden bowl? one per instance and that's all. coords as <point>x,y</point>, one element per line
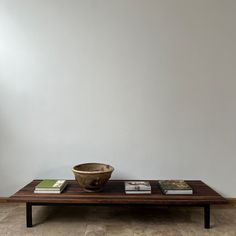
<point>92,176</point>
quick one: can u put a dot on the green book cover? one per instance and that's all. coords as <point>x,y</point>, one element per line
<point>50,184</point>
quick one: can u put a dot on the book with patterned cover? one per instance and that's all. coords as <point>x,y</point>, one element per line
<point>175,187</point>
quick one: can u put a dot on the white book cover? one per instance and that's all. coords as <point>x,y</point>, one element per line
<point>137,186</point>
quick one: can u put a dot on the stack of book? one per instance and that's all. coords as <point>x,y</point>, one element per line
<point>170,187</point>
<point>137,187</point>
<point>50,186</point>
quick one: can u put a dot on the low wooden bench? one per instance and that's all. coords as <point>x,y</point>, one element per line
<point>114,194</point>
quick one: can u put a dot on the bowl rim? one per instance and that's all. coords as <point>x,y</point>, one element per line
<point>93,172</point>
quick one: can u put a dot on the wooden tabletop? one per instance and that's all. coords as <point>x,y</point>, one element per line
<point>113,193</point>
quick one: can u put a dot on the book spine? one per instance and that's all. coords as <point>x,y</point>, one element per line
<point>50,191</point>
<point>137,189</point>
<point>47,189</point>
<point>138,192</point>
<point>53,192</point>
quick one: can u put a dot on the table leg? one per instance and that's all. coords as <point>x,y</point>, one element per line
<point>28,214</point>
<point>207,216</point>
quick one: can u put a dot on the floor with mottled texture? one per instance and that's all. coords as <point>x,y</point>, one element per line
<point>116,220</point>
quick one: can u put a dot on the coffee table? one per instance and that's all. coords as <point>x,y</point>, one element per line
<point>114,194</point>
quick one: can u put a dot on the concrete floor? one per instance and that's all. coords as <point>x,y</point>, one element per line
<point>122,221</point>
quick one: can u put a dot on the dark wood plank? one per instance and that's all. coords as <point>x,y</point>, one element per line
<point>113,193</point>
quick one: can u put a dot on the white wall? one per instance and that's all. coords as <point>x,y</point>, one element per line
<point>146,86</point>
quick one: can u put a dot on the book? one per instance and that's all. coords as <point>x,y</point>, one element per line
<point>137,186</point>
<point>50,185</point>
<point>175,187</point>
<point>50,191</point>
<point>138,192</point>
